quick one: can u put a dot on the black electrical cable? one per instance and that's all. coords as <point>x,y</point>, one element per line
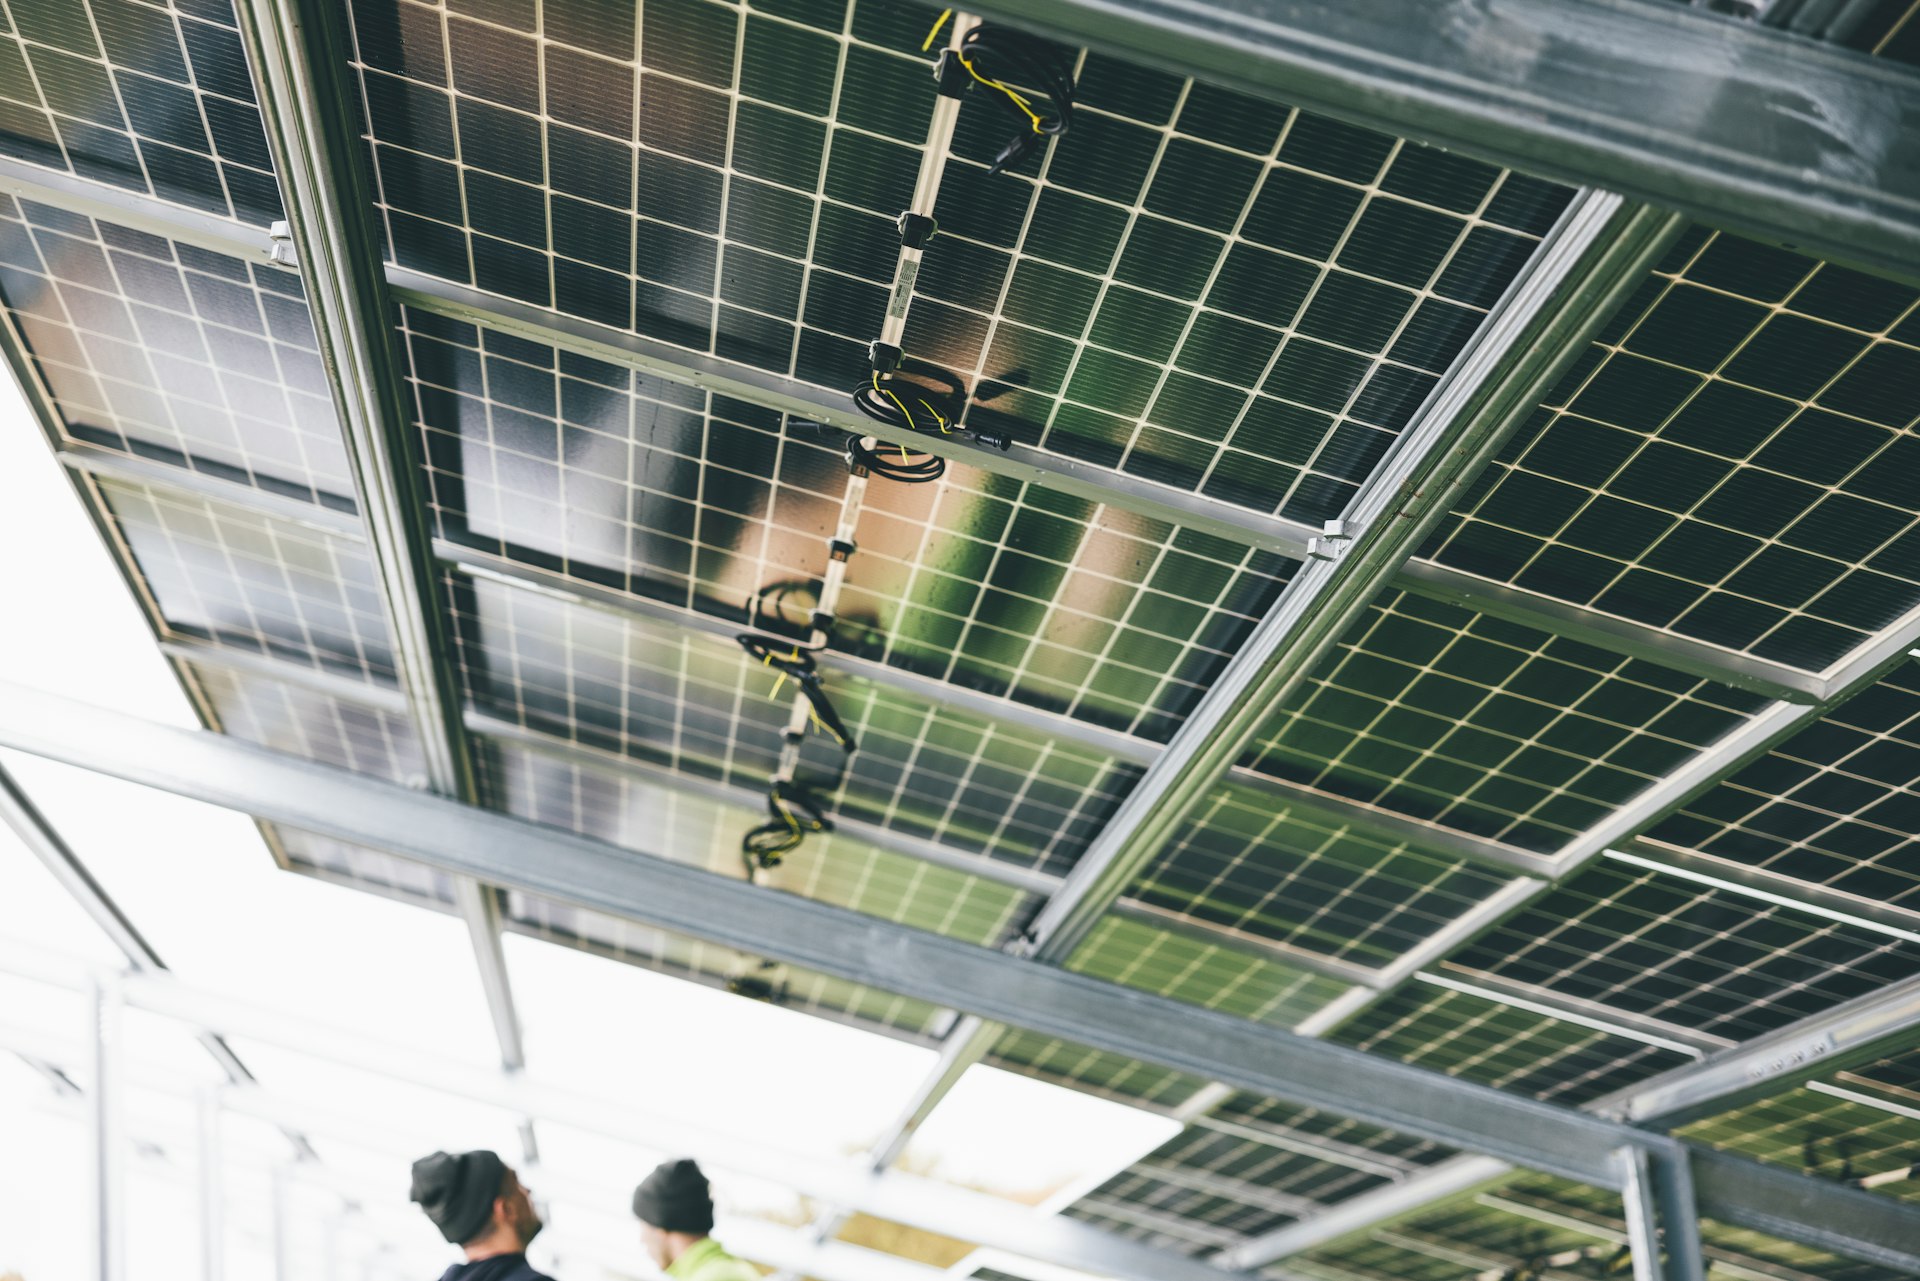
<point>793,815</point>
<point>919,396</point>
<point>994,55</point>
<point>795,661</point>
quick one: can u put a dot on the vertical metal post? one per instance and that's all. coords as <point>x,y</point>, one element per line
<point>1643,1233</point>
<point>282,1247</point>
<point>106,1146</point>
<point>1679,1214</point>
<point>211,1160</point>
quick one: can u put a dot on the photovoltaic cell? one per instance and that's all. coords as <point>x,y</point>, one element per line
<point>1729,461</point>
<point>1092,1071</point>
<point>673,493</point>
<point>1247,861</point>
<point>257,583</point>
<point>1828,1137</point>
<point>316,726</point>
<point>1719,963</point>
<point>1233,982</point>
<point>364,868</point>
<point>654,819</point>
<point>1835,805</point>
<point>697,704</point>
<point>1438,713</point>
<point>1192,286</point>
<point>1503,1046</point>
<point>798,989</point>
<point>146,97</point>
<point>168,351</point>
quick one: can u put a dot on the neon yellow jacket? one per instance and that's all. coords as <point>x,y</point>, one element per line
<point>704,1260</point>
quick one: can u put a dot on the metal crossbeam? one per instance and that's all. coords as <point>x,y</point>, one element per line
<point>1783,138</point>
<point>463,840</point>
<point>296,55</point>
<point>1064,475</point>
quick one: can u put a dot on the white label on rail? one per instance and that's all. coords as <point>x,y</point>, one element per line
<point>903,287</point>
<point>1791,1057</point>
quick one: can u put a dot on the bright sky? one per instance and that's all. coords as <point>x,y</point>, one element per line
<point>199,883</point>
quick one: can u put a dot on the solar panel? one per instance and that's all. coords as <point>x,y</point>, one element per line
<point>1253,864</point>
<point>168,351</point>
<point>1196,287</point>
<point>1728,462</point>
<point>699,705</point>
<point>1857,1132</point>
<point>306,723</point>
<point>258,584</point>
<point>655,819</point>
<point>140,97</point>
<point>676,494</point>
<point>1496,729</point>
<point>362,868</point>
<point>1834,805</point>
<point>1098,1072</point>
<point>1696,957</point>
<point>1231,981</point>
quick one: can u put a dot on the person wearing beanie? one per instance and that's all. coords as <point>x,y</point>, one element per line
<point>675,1209</point>
<point>479,1204</point>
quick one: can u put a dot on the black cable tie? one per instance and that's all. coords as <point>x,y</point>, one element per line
<point>916,229</point>
<point>951,76</point>
<point>793,737</point>
<point>840,548</point>
<point>884,357</point>
<point>822,621</point>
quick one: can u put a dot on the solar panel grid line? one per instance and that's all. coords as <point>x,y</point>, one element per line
<point>1416,567</point>
<point>1706,509</point>
<point>1771,887</point>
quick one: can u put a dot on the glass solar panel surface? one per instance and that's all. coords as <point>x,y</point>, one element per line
<point>653,819</point>
<point>1110,1076</point>
<point>1229,980</point>
<point>1437,713</point>
<point>1835,805</point>
<point>303,722</point>
<point>676,494</point>
<point>683,957</point>
<point>1835,1138</point>
<point>362,868</point>
<point>699,705</point>
<point>239,579</point>
<point>1248,861</point>
<point>169,351</point>
<point>1504,1046</point>
<point>1689,955</point>
<point>1729,461</point>
<point>148,97</point>
<point>1192,286</point>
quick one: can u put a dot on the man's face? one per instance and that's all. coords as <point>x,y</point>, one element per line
<point>516,1207</point>
<point>654,1242</point>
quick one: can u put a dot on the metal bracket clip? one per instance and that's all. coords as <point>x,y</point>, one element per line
<point>1332,541</point>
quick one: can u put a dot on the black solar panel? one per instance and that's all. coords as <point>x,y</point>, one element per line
<point>1438,713</point>
<point>1728,462</point>
<point>1834,805</point>
<point>1250,862</point>
<point>260,584</point>
<point>168,351</point>
<point>1695,957</point>
<point>1097,1072</point>
<point>317,726</point>
<point>677,494</point>
<point>142,97</point>
<point>1193,287</point>
<point>701,706</point>
<point>1233,981</point>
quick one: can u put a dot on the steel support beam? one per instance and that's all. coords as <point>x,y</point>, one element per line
<point>462,840</point>
<point>297,55</point>
<point>1772,135</point>
<point>1162,502</point>
<point>210,1171</point>
<point>106,1139</point>
<point>44,841</point>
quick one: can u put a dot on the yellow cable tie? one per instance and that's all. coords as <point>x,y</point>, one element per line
<point>940,22</point>
<point>775,691</point>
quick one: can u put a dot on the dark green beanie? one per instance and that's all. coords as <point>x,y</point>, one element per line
<point>675,1198</point>
<point>458,1192</point>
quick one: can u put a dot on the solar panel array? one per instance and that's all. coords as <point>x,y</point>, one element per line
<point>1194,294</point>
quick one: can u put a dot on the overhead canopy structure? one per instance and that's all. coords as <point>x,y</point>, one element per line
<point>1423,697</point>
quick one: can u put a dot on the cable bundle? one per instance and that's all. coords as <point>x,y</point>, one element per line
<point>795,661</point>
<point>992,56</point>
<point>793,815</point>
<point>919,396</point>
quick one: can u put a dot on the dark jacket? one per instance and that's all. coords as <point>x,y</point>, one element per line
<point>501,1267</point>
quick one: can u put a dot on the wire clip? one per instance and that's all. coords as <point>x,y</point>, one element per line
<point>840,549</point>
<point>1332,541</point>
<point>883,357</point>
<point>280,244</point>
<point>951,75</point>
<point>916,229</point>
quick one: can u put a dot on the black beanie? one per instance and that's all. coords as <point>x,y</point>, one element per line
<point>458,1192</point>
<point>674,1198</point>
